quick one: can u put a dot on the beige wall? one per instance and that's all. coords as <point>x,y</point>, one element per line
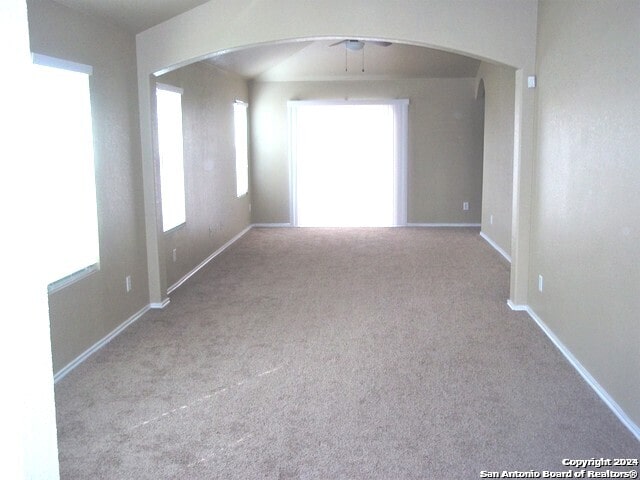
<point>444,151</point>
<point>214,213</point>
<point>86,311</point>
<point>497,178</point>
<point>585,216</point>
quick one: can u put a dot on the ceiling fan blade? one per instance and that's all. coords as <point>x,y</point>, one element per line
<point>379,43</point>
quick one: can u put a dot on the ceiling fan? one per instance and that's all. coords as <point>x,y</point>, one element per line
<point>354,45</point>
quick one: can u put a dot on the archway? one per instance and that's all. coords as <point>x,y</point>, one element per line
<point>213,27</point>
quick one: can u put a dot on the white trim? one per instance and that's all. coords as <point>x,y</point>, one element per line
<point>208,259</point>
<point>496,247</point>
<point>47,61</point>
<point>430,225</point>
<point>272,225</point>
<point>592,382</point>
<point>160,305</point>
<point>169,88</point>
<point>61,284</point>
<point>515,307</point>
<point>98,345</point>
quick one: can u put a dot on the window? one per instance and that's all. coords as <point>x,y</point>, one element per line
<point>63,130</point>
<point>242,156</point>
<point>170,145</point>
<point>348,162</point>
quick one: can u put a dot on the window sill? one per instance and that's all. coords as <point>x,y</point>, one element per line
<point>73,278</point>
<point>173,229</point>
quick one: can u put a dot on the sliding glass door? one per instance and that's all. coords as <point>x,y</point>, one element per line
<point>347,163</point>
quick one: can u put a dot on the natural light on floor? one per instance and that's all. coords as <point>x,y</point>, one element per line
<point>344,165</point>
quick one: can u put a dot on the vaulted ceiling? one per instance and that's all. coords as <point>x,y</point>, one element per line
<point>323,60</point>
<point>300,60</point>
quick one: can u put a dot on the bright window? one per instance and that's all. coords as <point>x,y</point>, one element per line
<point>348,163</point>
<point>63,130</point>
<point>242,156</point>
<point>170,144</point>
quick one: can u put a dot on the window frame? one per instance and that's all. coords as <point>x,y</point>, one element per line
<point>183,207</point>
<point>241,151</point>
<point>401,135</point>
<point>70,66</point>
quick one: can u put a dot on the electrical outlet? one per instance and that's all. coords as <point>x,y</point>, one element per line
<point>540,283</point>
<point>174,254</point>
<point>490,219</point>
<point>127,283</point>
<point>465,205</point>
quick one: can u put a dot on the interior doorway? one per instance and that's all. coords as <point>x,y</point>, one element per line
<point>348,163</point>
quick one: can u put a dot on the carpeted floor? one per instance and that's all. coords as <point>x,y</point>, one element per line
<point>334,354</point>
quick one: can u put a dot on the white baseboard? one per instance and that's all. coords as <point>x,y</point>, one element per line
<point>272,225</point>
<point>515,307</point>
<point>161,305</point>
<point>154,305</point>
<point>208,259</point>
<point>443,225</point>
<point>289,225</point>
<point>592,382</point>
<point>98,345</point>
<point>496,247</point>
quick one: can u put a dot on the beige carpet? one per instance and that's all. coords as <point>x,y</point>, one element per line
<point>334,354</point>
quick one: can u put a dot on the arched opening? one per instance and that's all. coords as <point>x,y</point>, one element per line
<point>196,34</point>
<point>445,140</point>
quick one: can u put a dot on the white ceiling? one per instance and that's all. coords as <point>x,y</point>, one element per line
<point>134,15</point>
<point>304,60</point>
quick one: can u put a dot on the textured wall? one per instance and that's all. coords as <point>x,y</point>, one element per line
<point>444,151</point>
<point>585,215</point>
<point>497,177</point>
<point>214,213</point>
<point>84,312</point>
